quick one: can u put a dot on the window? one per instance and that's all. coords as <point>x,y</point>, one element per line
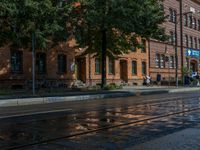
<point>199,43</point>
<point>111,66</point>
<point>172,37</point>
<point>133,49</point>
<point>195,43</point>
<point>157,60</point>
<point>62,63</point>
<point>172,14</point>
<point>198,25</point>
<point>171,61</point>
<point>144,68</point>
<point>194,23</point>
<point>16,61</point>
<point>191,42</point>
<point>134,67</point>
<point>162,61</point>
<point>97,66</point>
<point>41,63</point>
<point>185,20</point>
<point>190,21</point>
<point>143,46</point>
<point>186,40</point>
<point>199,63</point>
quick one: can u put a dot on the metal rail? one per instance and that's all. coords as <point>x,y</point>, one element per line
<point>187,110</point>
<point>139,104</point>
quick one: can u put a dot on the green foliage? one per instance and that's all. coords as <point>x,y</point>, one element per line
<point>112,86</point>
<point>95,88</point>
<point>186,71</point>
<point>19,19</point>
<point>123,20</point>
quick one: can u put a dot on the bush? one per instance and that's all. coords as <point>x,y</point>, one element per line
<point>112,86</point>
<point>95,87</point>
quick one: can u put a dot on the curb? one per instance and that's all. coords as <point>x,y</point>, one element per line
<point>55,99</point>
<point>184,90</point>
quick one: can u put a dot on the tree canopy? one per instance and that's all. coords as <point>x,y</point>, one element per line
<point>46,19</point>
<point>123,20</point>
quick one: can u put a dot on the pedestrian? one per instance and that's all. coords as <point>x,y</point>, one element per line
<point>197,78</point>
<point>158,79</point>
<point>144,80</point>
<point>187,80</point>
<point>148,80</point>
<point>194,74</point>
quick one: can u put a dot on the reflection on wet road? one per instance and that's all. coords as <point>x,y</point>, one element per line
<point>25,130</point>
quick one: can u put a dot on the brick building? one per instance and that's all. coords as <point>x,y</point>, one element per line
<point>158,57</point>
<point>56,65</point>
<point>128,68</point>
<point>190,55</point>
<point>52,67</point>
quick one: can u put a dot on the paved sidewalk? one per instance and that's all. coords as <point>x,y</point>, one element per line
<point>6,101</point>
<point>187,139</point>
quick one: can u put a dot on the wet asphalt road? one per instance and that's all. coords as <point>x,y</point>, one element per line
<point>58,131</point>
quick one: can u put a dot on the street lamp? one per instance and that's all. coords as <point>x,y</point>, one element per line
<point>176,42</point>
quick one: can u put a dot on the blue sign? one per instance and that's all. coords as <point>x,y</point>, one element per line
<point>192,53</point>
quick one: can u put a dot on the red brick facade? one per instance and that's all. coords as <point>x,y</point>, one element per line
<point>123,63</point>
<point>10,79</point>
<point>123,70</point>
<point>168,49</point>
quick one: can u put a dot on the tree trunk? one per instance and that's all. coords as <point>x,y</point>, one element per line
<point>33,63</point>
<point>103,77</point>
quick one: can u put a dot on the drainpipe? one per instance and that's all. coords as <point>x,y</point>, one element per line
<point>181,36</point>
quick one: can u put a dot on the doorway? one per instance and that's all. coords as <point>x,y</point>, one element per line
<point>194,66</point>
<point>81,69</point>
<point>124,70</point>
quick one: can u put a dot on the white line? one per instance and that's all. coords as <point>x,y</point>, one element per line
<point>36,113</point>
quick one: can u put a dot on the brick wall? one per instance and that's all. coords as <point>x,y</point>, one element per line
<point>160,48</point>
<point>115,78</point>
<point>8,79</point>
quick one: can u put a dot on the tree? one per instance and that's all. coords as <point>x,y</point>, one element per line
<point>33,24</point>
<point>111,27</point>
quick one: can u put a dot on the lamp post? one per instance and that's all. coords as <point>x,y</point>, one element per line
<point>181,34</point>
<point>176,49</point>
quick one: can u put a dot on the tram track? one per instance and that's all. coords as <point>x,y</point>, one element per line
<point>71,111</point>
<point>186,110</point>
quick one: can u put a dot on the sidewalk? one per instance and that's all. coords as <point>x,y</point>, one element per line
<point>6,101</point>
<point>187,139</point>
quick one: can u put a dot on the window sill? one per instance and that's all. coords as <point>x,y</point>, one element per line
<point>97,73</point>
<point>16,72</point>
<point>61,73</point>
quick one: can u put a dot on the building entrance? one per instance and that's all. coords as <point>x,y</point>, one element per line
<point>194,66</point>
<point>81,69</point>
<point>124,70</point>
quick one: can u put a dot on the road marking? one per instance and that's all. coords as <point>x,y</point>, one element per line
<point>36,113</point>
